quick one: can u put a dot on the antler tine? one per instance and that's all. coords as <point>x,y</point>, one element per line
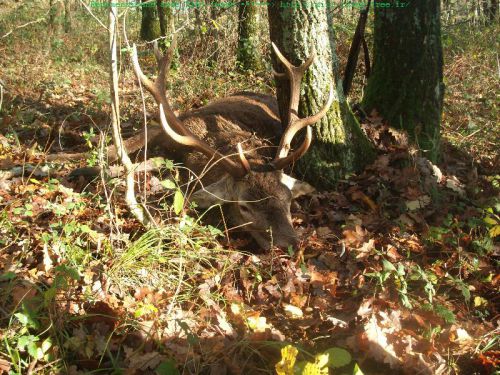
<point>281,163</point>
<point>243,158</point>
<point>164,60</point>
<point>294,74</point>
<point>293,123</point>
<point>298,124</point>
<point>178,132</point>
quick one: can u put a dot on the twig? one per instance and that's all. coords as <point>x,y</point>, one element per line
<point>130,198</point>
<point>24,25</point>
<point>93,15</point>
<point>1,94</point>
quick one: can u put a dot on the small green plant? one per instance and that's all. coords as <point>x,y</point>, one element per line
<point>398,275</point>
<point>26,210</point>
<point>29,337</point>
<point>429,278</point>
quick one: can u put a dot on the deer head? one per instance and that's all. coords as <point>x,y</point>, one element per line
<point>258,196</point>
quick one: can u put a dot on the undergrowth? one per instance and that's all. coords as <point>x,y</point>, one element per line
<point>83,286</point>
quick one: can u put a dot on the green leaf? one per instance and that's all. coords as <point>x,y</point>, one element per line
<point>69,272</point>
<point>46,345</point>
<point>178,202</point>
<point>388,266</point>
<point>7,276</point>
<point>338,357</point>
<point>168,184</point>
<point>23,341</point>
<point>168,164</point>
<point>167,368</point>
<point>445,313</point>
<point>356,370</point>
<point>34,350</point>
<point>23,318</point>
<point>490,221</point>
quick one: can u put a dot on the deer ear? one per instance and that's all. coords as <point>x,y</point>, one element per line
<point>297,187</point>
<point>217,193</point>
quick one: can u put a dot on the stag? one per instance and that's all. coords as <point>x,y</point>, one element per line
<point>250,185</point>
<point>256,193</point>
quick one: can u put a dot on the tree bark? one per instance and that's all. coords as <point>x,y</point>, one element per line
<point>339,145</point>
<point>406,85</point>
<point>67,16</point>
<point>213,33</point>
<point>248,57</point>
<point>55,15</point>
<point>150,28</point>
<point>490,9</point>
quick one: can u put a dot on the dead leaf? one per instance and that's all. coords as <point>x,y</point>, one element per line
<point>293,311</point>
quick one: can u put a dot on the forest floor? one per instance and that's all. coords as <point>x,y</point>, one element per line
<point>397,270</point>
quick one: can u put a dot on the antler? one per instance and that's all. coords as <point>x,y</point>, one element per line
<point>292,120</point>
<point>172,126</point>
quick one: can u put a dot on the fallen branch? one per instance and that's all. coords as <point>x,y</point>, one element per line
<point>38,20</point>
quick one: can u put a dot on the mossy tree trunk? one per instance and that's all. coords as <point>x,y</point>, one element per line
<point>248,57</point>
<point>150,27</point>
<point>67,16</point>
<point>339,145</point>
<point>167,28</point>
<point>213,33</point>
<point>406,85</point>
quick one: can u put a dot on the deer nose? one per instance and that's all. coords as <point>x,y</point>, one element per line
<point>287,239</point>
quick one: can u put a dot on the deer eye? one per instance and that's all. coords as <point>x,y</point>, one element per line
<point>244,209</point>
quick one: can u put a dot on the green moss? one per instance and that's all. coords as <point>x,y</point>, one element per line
<point>248,56</point>
<point>150,26</point>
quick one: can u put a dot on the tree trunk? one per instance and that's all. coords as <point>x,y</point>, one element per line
<point>213,34</point>
<point>493,10</point>
<point>406,85</point>
<point>55,15</point>
<point>161,19</point>
<point>248,36</point>
<point>67,16</point>
<point>339,145</point>
<point>150,28</point>
<point>490,10</point>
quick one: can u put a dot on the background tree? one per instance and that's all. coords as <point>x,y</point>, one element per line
<point>67,15</point>
<point>150,27</point>
<point>490,10</point>
<point>165,17</point>
<point>406,84</point>
<point>56,12</point>
<point>248,57</point>
<point>213,34</point>
<point>339,145</point>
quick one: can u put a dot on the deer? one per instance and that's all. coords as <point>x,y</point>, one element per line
<point>256,192</point>
<point>251,186</point>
